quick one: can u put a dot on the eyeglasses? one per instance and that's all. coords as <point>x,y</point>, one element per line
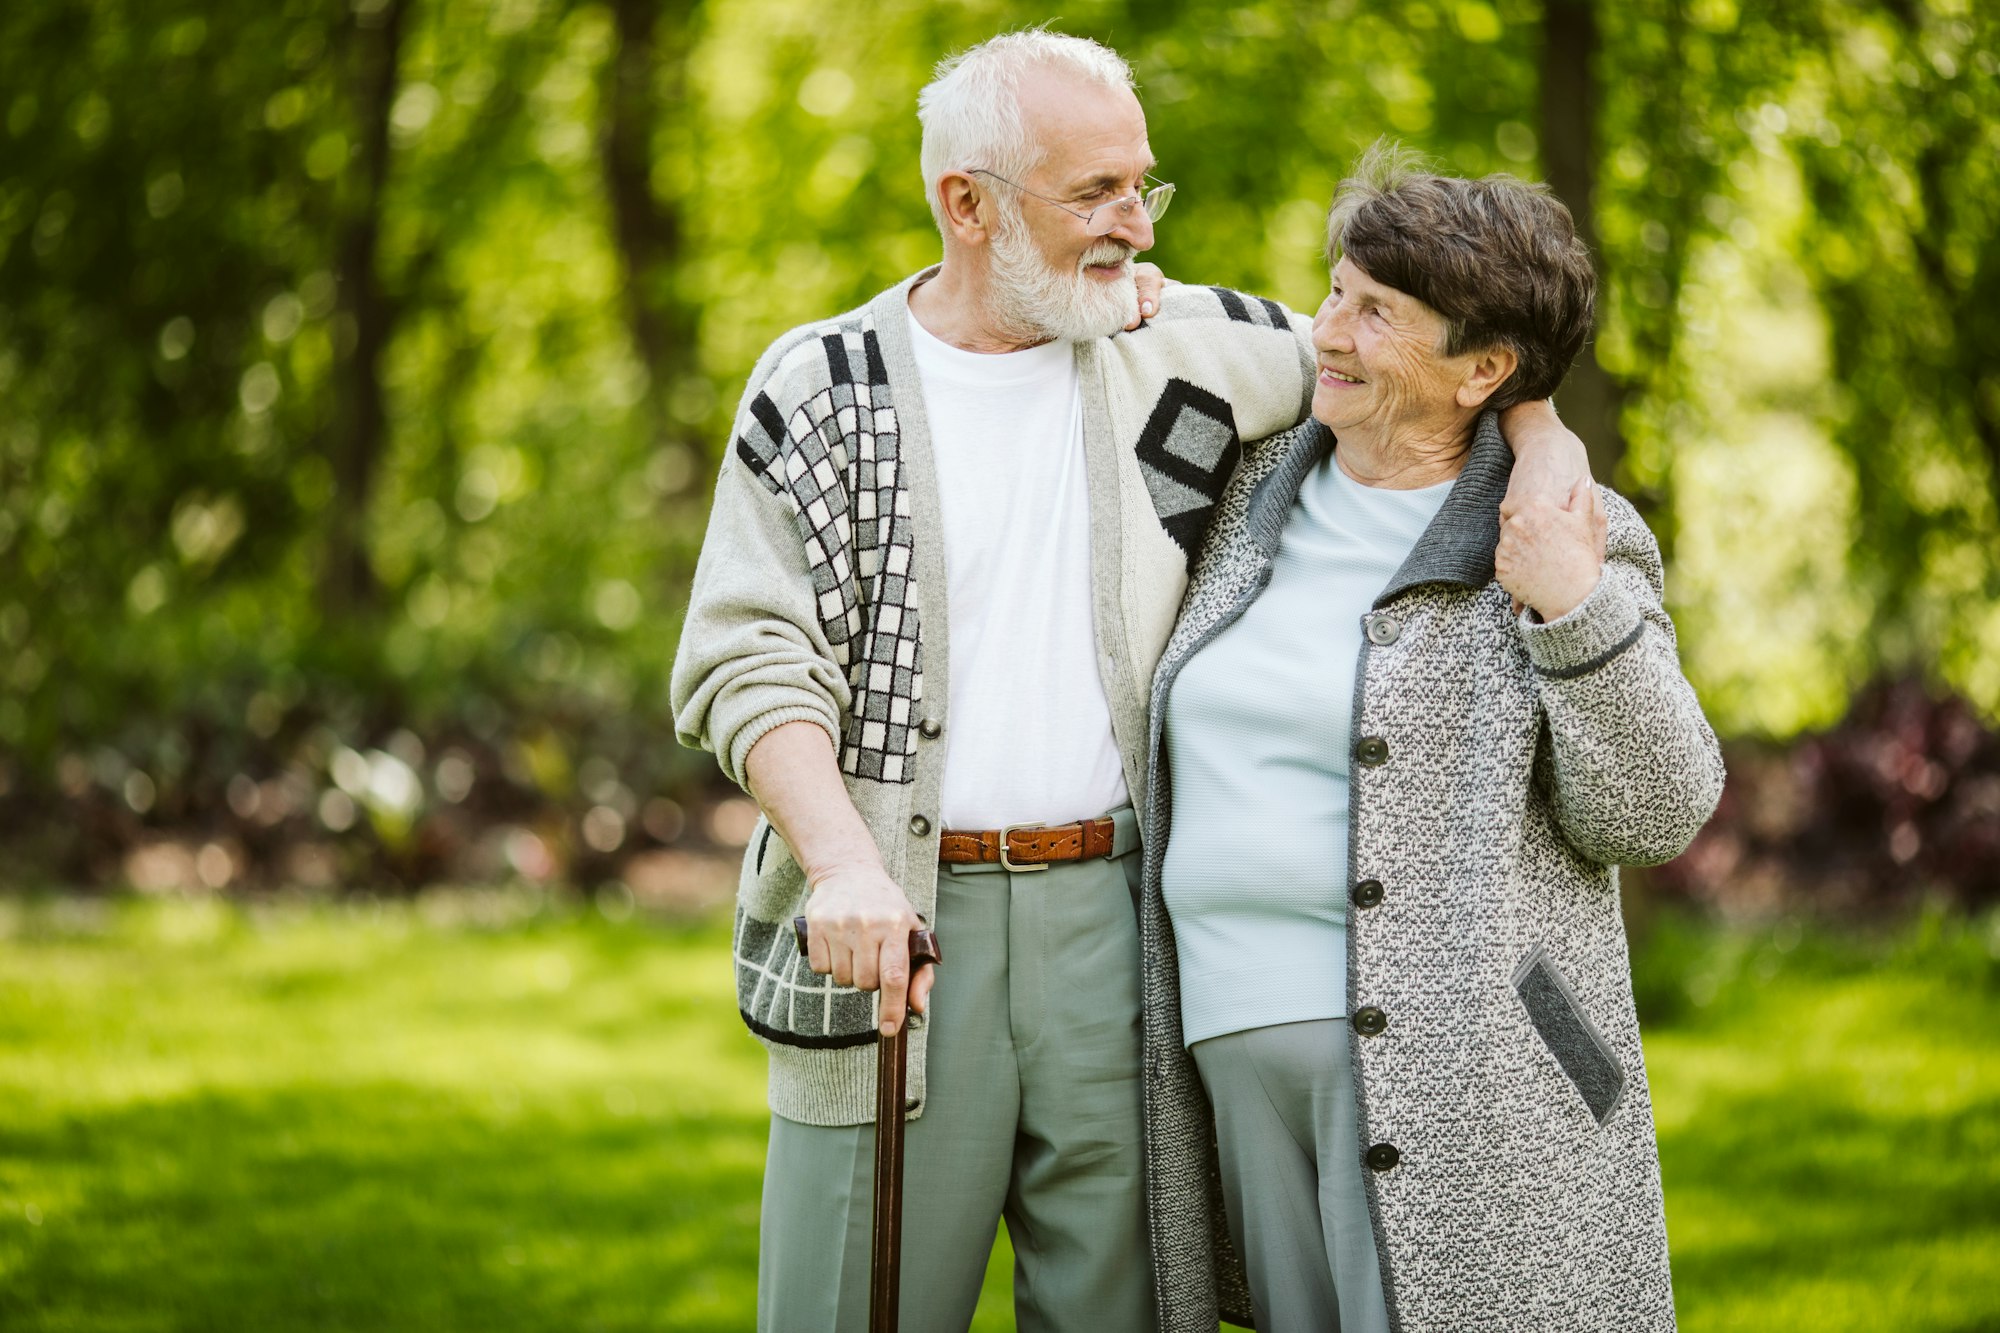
<point>1107,217</point>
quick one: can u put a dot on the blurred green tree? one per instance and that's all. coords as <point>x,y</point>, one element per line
<point>364,362</point>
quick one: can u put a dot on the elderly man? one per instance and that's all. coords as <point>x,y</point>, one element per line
<point>946,550</point>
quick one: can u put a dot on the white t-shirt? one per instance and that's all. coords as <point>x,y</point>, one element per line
<point>1028,739</point>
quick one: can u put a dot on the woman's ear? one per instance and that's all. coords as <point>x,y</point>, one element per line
<point>1485,372</point>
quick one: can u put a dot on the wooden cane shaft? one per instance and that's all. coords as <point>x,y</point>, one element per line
<point>886,1261</point>
<point>892,1068</point>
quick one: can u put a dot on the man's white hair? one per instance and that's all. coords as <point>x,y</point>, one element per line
<point>971,109</point>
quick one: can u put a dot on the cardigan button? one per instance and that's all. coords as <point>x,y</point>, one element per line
<point>929,729</point>
<point>920,826</point>
<point>1382,1156</point>
<point>1384,630</point>
<point>1368,893</point>
<point>1372,751</point>
<point>1370,1022</point>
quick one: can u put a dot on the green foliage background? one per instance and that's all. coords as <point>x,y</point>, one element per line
<point>231,231</point>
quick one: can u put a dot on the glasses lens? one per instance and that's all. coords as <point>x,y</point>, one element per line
<point>1157,200</point>
<point>1106,218</point>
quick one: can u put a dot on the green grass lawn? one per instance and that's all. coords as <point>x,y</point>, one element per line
<point>484,1113</point>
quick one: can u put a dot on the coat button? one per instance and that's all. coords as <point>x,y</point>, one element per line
<point>929,729</point>
<point>920,826</point>
<point>1370,1022</point>
<point>1384,630</point>
<point>1368,893</point>
<point>1372,751</point>
<point>1382,1156</point>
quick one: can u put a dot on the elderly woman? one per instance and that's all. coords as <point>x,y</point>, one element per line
<point>1401,742</point>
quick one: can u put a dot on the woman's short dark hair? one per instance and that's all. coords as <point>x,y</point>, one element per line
<point>1498,258</point>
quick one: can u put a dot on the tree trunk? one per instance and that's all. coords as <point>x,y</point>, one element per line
<point>367,316</point>
<point>644,78</point>
<point>1591,400</point>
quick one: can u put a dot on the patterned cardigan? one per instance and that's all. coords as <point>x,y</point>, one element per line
<point>820,596</point>
<point>1502,770</point>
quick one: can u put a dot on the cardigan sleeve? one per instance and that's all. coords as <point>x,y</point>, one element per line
<point>753,654</point>
<point>1250,351</point>
<point>1633,767</point>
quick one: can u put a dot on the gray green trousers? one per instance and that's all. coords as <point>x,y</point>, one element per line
<point>1032,1113</point>
<point>1291,1176</point>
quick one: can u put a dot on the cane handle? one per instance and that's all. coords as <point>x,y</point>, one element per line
<point>924,948</point>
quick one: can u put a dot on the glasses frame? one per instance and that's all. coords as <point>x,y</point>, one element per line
<point>1153,202</point>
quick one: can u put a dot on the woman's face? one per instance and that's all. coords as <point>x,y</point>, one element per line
<point>1382,367</point>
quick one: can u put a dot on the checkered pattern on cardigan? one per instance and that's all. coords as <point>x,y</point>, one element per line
<point>835,459</point>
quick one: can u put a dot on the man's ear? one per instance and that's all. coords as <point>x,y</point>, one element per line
<point>961,195</point>
<point>1485,374</point>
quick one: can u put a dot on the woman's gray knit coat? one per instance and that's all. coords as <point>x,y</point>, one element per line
<point>1501,771</point>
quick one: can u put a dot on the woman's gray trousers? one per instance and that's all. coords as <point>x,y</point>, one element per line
<point>1291,1176</point>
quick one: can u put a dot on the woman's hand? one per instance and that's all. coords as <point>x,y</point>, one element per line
<point>1548,557</point>
<point>1152,284</point>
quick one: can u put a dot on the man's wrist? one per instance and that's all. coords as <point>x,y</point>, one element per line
<point>846,863</point>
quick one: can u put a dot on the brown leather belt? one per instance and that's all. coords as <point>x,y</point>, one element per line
<point>1028,846</point>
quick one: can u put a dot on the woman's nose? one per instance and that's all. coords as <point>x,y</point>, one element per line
<point>1330,329</point>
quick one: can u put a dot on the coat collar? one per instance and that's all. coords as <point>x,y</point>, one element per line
<point>1458,545</point>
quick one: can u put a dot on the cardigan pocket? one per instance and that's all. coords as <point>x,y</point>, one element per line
<point>778,994</point>
<point>1569,1034</point>
<point>772,886</point>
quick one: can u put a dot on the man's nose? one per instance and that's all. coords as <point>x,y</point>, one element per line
<point>1134,228</point>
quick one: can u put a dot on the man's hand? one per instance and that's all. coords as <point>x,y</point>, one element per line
<point>858,926</point>
<point>858,921</point>
<point>1549,460</point>
<point>1151,282</point>
<point>1549,556</point>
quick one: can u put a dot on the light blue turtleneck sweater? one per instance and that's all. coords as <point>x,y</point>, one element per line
<point>1257,733</point>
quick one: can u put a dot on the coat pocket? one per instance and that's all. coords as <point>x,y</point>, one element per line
<point>1569,1034</point>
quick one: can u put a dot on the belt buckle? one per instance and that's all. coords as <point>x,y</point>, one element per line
<point>1007,863</point>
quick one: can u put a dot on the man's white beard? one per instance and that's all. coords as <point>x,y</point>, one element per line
<point>1035,299</point>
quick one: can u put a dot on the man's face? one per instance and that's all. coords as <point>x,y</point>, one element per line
<point>1051,276</point>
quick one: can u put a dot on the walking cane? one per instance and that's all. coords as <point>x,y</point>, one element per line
<point>892,1060</point>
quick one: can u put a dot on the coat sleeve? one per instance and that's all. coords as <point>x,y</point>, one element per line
<point>753,654</point>
<point>1631,765</point>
